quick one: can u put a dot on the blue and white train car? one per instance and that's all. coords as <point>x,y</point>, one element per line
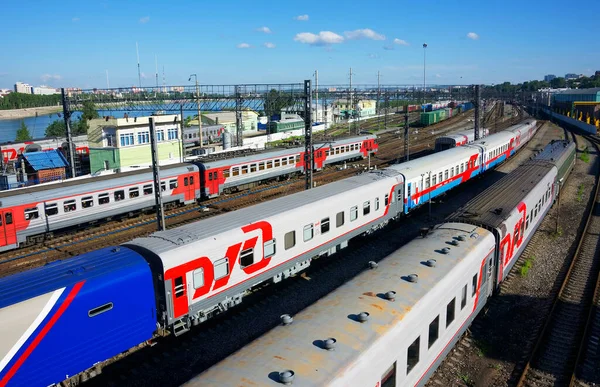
<point>61,319</point>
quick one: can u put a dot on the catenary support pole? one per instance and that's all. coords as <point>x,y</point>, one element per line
<point>308,147</point>
<point>160,216</point>
<point>67,118</point>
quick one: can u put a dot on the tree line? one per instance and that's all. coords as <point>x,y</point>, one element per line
<point>22,101</point>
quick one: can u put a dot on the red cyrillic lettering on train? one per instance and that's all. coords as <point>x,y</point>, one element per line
<point>267,234</point>
<point>180,300</point>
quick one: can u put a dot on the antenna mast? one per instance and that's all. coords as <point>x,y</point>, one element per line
<point>137,51</point>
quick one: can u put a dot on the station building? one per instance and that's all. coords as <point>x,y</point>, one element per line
<point>581,104</point>
<point>121,144</point>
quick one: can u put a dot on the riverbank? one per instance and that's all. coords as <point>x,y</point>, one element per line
<point>13,114</point>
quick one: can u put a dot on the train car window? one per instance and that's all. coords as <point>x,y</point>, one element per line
<point>389,377</point>
<point>434,331</point>
<point>269,248</point>
<point>451,171</point>
<point>289,240</point>
<point>31,213</point>
<point>0,220</point>
<point>463,300</point>
<point>253,168</point>
<point>221,268</point>
<point>192,179</point>
<point>367,207</point>
<point>376,204</point>
<point>353,213</point>
<point>441,177</point>
<point>186,181</point>
<point>8,218</point>
<point>339,219</point>
<point>148,189</point>
<point>446,174</point>
<point>179,287</point>
<point>198,276</point>
<point>291,159</point>
<point>276,163</point>
<point>69,205</point>
<point>324,225</point>
<point>103,199</point>
<point>119,195</point>
<point>308,232</point>
<point>327,153</point>
<point>474,286</point>
<point>99,310</point>
<point>284,161</point>
<point>87,202</point>
<point>134,192</point>
<point>450,309</point>
<point>246,257</point>
<point>386,200</point>
<point>412,356</point>
<point>172,184</point>
<point>209,176</point>
<point>235,171</point>
<point>261,166</point>
<point>298,158</point>
<point>427,182</point>
<point>434,180</point>
<point>456,170</point>
<point>527,222</point>
<point>462,168</point>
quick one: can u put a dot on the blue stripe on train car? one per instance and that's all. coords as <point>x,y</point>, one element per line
<point>102,304</point>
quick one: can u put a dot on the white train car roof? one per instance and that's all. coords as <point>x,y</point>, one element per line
<point>495,140</point>
<point>277,153</point>
<point>415,168</point>
<point>42,192</point>
<point>298,346</point>
<point>522,125</point>
<point>165,243</point>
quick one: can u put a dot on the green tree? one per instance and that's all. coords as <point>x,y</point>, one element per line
<point>23,133</point>
<point>56,129</point>
<point>275,101</point>
<point>558,83</point>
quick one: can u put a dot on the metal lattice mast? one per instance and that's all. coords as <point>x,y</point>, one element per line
<point>238,117</point>
<point>406,136</point>
<point>378,110</point>
<point>308,147</point>
<point>160,216</point>
<point>477,103</point>
<point>67,118</point>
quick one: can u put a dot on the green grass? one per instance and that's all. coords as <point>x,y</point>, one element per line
<point>527,265</point>
<point>483,348</point>
<point>585,156</point>
<point>556,234</point>
<point>465,378</point>
<point>580,192</point>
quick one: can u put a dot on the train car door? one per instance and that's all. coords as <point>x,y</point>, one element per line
<point>8,231</point>
<point>212,181</point>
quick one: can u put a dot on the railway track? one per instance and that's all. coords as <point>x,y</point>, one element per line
<point>91,237</point>
<point>554,358</point>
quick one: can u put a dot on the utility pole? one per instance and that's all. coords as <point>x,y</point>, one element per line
<point>160,216</point>
<point>67,118</point>
<point>198,107</point>
<point>378,101</point>
<point>424,51</point>
<point>351,104</point>
<point>406,136</point>
<point>477,103</point>
<point>156,73</point>
<point>137,51</point>
<point>316,96</point>
<point>308,147</point>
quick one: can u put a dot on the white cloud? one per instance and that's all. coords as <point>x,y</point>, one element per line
<point>472,35</point>
<point>50,77</point>
<point>266,30</point>
<point>145,19</point>
<point>388,47</point>
<point>401,42</point>
<point>75,19</point>
<point>243,45</point>
<point>301,17</point>
<point>320,39</point>
<point>269,45</point>
<point>365,33</point>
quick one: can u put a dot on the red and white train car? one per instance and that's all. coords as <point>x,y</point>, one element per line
<point>244,172</point>
<point>11,151</point>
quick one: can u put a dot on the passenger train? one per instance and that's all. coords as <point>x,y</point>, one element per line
<point>11,151</point>
<point>393,325</point>
<point>29,215</point>
<point>175,279</point>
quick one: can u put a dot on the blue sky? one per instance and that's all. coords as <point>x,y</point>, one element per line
<point>73,43</point>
